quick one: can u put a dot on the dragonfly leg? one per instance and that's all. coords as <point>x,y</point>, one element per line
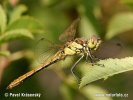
<point>87,57</point>
<point>93,59</point>
<point>74,67</point>
<point>96,58</point>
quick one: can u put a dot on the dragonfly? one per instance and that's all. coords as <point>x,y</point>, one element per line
<point>73,46</point>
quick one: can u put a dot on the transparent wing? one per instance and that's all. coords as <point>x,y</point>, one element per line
<point>69,33</point>
<point>44,49</point>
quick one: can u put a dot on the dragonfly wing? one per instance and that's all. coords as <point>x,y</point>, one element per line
<point>44,49</point>
<point>69,33</point>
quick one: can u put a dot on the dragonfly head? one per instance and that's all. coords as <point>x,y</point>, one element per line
<point>94,42</point>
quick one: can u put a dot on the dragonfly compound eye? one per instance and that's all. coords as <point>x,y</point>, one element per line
<point>94,42</point>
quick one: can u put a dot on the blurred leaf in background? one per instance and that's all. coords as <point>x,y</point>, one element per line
<point>11,29</point>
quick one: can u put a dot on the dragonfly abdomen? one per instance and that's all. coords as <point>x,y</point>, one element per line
<point>49,62</point>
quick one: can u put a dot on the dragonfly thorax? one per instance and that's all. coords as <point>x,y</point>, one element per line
<point>73,48</point>
<point>81,46</point>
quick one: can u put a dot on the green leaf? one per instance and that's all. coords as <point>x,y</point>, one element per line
<point>26,22</point>
<point>4,53</point>
<point>93,92</point>
<point>15,34</point>
<point>86,27</point>
<point>3,20</point>
<point>111,67</point>
<point>86,8</point>
<point>120,23</point>
<point>16,14</point>
<point>66,92</point>
<point>127,1</point>
<point>49,2</point>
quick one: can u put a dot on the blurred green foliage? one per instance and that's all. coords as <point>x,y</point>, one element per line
<point>22,22</point>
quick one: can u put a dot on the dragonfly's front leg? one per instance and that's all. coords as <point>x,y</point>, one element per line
<point>93,59</point>
<point>75,65</point>
<point>87,57</point>
<point>90,56</point>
